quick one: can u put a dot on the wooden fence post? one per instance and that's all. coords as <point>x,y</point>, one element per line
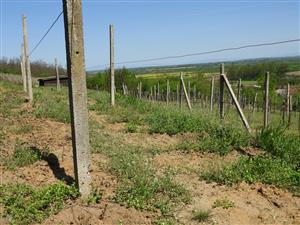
<point>290,110</point>
<point>177,94</point>
<point>288,102</point>
<point>194,93</point>
<point>168,92</point>
<point>212,93</point>
<point>77,94</point>
<point>266,100</point>
<point>185,92</point>
<point>237,104</point>
<point>158,92</point>
<point>221,98</point>
<point>112,64</point>
<point>27,61</point>
<point>57,75</point>
<point>140,90</point>
<point>239,90</point>
<point>189,89</point>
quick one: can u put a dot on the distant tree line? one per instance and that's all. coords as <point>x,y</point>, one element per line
<point>254,71</point>
<point>39,68</point>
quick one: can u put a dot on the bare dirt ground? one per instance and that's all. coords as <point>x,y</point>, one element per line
<point>254,204</point>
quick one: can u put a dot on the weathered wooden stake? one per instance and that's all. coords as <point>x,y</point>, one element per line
<point>266,100</point>
<point>168,92</point>
<point>23,69</point>
<point>57,75</point>
<point>78,94</point>
<point>158,92</point>
<point>27,61</point>
<point>140,90</point>
<point>112,65</point>
<point>212,93</point>
<point>221,98</point>
<point>177,94</point>
<point>237,104</point>
<point>185,92</point>
<point>290,110</point>
<point>239,90</point>
<point>194,93</point>
<point>189,89</point>
<point>288,101</point>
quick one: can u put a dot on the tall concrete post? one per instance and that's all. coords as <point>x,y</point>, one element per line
<point>57,75</point>
<point>266,100</point>
<point>23,69</point>
<point>212,93</point>
<point>112,65</point>
<point>77,94</point>
<point>239,90</point>
<point>222,87</point>
<point>27,61</point>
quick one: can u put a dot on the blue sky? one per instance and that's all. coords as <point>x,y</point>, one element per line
<point>149,29</point>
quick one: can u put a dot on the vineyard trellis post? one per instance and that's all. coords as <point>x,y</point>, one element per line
<point>237,104</point>
<point>239,90</point>
<point>185,92</point>
<point>221,98</point>
<point>290,110</point>
<point>27,61</point>
<point>72,11</point>
<point>287,102</point>
<point>140,90</point>
<point>266,100</point>
<point>212,93</point>
<point>23,69</point>
<point>168,92</point>
<point>112,65</point>
<point>177,94</point>
<point>57,75</point>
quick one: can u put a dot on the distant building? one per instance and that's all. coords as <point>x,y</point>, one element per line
<point>51,81</point>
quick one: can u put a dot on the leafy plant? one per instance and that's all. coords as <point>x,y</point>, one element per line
<point>257,169</point>
<point>23,155</point>
<point>201,215</point>
<point>280,145</point>
<point>25,205</point>
<point>131,127</point>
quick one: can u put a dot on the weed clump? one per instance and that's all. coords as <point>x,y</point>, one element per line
<point>142,188</point>
<point>25,205</point>
<point>280,145</point>
<point>201,215</point>
<point>257,169</point>
<point>23,156</point>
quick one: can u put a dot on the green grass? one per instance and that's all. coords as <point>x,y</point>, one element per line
<point>23,155</point>
<point>281,145</point>
<point>24,129</point>
<point>257,169</point>
<point>140,184</point>
<point>10,98</point>
<point>201,215</point>
<point>24,204</point>
<point>50,103</point>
